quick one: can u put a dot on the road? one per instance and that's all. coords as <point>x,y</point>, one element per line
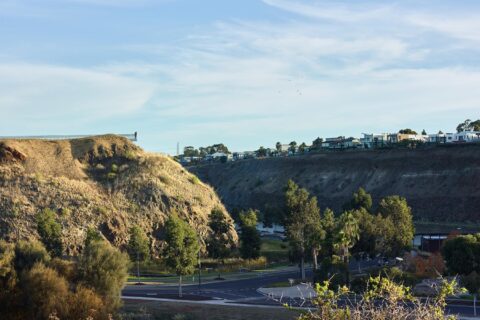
<point>243,292</point>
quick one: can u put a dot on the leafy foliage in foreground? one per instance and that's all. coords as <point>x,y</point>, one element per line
<point>383,300</point>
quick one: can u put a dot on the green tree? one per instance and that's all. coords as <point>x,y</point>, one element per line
<point>397,209</point>
<point>181,248</point>
<point>302,223</point>
<point>50,232</point>
<point>317,143</point>
<point>219,244</point>
<point>302,148</point>
<point>462,254</point>
<point>368,232</point>
<point>407,131</point>
<point>469,125</point>
<point>262,152</point>
<point>104,269</point>
<point>361,199</point>
<point>278,146</point>
<point>249,235</point>
<point>138,245</point>
<point>328,226</point>
<point>347,235</point>
<point>293,146</point>
<point>424,133</point>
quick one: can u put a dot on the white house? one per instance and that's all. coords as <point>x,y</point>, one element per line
<point>372,140</point>
<point>467,136</point>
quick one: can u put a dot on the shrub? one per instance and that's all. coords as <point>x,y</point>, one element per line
<point>50,232</point>
<point>104,269</point>
<point>44,293</point>
<point>194,180</point>
<point>397,303</point>
<point>27,253</point>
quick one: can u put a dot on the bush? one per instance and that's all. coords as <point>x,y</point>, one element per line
<point>44,293</point>
<point>397,303</point>
<point>28,253</point>
<point>194,180</point>
<point>104,269</point>
<point>50,232</point>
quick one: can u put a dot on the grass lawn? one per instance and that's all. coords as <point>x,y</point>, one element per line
<point>275,250</point>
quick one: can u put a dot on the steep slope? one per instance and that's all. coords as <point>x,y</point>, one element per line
<point>104,182</point>
<point>440,183</point>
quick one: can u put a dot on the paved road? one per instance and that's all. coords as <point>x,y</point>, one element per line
<point>243,291</point>
<point>234,290</point>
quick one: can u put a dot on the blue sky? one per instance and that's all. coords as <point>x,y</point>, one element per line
<point>245,73</point>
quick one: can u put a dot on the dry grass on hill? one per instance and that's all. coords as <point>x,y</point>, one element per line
<point>104,182</point>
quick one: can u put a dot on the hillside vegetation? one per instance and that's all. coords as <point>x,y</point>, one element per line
<point>440,183</point>
<point>104,182</point>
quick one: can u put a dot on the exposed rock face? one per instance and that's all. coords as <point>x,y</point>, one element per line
<point>104,182</point>
<point>440,183</point>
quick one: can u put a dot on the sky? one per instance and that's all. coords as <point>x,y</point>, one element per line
<point>245,73</point>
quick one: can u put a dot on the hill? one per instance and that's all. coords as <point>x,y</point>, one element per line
<point>104,182</point>
<point>440,183</point>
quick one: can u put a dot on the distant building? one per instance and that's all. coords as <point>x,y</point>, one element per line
<point>372,140</point>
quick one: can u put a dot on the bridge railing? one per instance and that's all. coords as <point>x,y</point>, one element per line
<point>131,137</point>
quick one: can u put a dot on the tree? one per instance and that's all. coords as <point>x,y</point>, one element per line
<point>50,232</point>
<point>462,254</point>
<point>302,223</point>
<point>469,125</point>
<point>278,146</point>
<point>219,244</point>
<point>302,148</point>
<point>104,269</point>
<point>361,199</point>
<point>407,131</point>
<point>181,248</point>
<point>249,236</point>
<point>262,152</point>
<point>293,147</point>
<point>346,236</point>
<point>368,232</point>
<point>328,226</point>
<point>138,246</point>
<point>317,143</point>
<point>397,209</point>
<point>424,133</point>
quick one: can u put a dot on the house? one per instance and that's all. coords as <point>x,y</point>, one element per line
<point>372,140</point>
<point>467,136</point>
<point>341,143</point>
<point>437,138</point>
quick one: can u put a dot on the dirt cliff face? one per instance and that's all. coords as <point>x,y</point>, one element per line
<point>104,182</point>
<point>440,183</point>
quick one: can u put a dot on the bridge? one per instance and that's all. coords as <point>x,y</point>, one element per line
<point>132,137</point>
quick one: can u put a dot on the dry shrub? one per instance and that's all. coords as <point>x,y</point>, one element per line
<point>427,267</point>
<point>86,304</point>
<point>44,293</point>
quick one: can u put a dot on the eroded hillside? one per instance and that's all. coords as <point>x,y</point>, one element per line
<point>104,182</point>
<point>440,183</point>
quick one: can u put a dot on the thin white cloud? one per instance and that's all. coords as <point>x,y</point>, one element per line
<point>332,10</point>
<point>51,94</point>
